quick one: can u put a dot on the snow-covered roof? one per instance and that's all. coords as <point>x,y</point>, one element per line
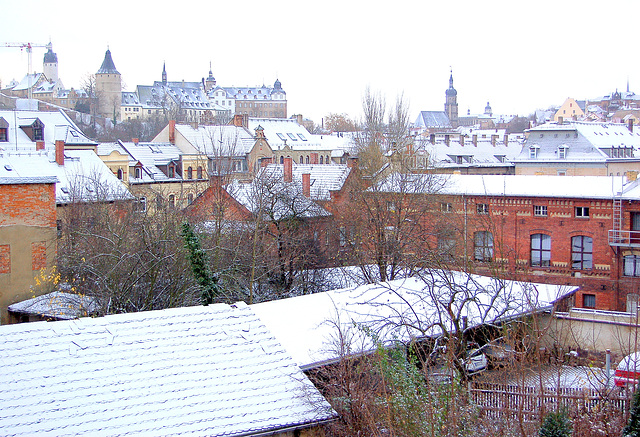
<point>57,127</point>
<point>84,177</point>
<point>324,178</point>
<point>152,155</point>
<point>433,119</point>
<point>217,141</point>
<point>584,141</point>
<point>281,131</point>
<point>587,187</point>
<point>275,199</point>
<point>316,328</point>
<point>212,370</point>
<point>465,153</point>
<point>57,305</point>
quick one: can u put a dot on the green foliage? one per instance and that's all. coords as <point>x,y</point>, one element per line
<point>556,424</point>
<point>632,429</point>
<point>210,290</point>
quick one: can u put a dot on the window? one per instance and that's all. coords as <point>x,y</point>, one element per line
<point>120,174</point>
<point>321,159</point>
<point>483,246</point>
<point>446,247</point>
<point>540,210</point>
<point>631,265</point>
<point>589,300</point>
<point>561,172</point>
<point>581,252</point>
<point>172,171</point>
<point>307,159</point>
<point>189,173</point>
<point>138,172</point>
<point>562,152</point>
<point>446,207</point>
<point>326,160</point>
<point>302,160</point>
<point>582,211</point>
<point>540,250</point>
<point>142,204</point>
<point>482,208</point>
<point>391,206</point>
<point>38,132</point>
<point>533,151</point>
<point>3,134</point>
<point>343,236</point>
<point>190,198</point>
<point>199,172</point>
<point>172,200</point>
<point>292,136</point>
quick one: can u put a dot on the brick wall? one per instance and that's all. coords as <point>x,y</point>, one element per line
<point>38,255</point>
<point>5,258</point>
<point>27,204</point>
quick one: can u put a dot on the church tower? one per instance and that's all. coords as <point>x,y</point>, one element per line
<point>164,74</point>
<point>109,88</point>
<point>50,64</point>
<point>451,103</point>
<point>211,81</point>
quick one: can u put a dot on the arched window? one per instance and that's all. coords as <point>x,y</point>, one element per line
<point>189,173</point>
<point>282,160</point>
<point>581,252</point>
<point>540,250</point>
<point>327,160</point>
<point>307,159</point>
<point>190,198</point>
<point>321,159</point>
<point>120,174</point>
<point>483,246</point>
<point>138,172</point>
<point>199,172</point>
<point>302,160</point>
<point>172,200</point>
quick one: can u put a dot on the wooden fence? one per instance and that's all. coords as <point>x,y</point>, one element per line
<point>529,403</point>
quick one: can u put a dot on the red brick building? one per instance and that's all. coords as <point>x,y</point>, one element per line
<point>582,230</point>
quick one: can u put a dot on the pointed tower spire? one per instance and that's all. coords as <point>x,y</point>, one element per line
<point>164,73</point>
<point>108,67</point>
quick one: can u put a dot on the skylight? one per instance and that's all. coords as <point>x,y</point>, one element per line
<point>302,137</point>
<point>292,136</point>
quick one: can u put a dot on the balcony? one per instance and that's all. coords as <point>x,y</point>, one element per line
<point>624,238</point>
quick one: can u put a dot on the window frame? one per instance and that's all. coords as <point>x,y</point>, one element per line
<point>482,208</point>
<point>483,245</point>
<point>539,251</point>
<point>540,211</point>
<point>581,259</point>
<point>635,260</point>
<point>584,212</point>
<point>588,300</point>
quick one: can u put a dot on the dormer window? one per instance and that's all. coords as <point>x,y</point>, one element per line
<point>562,152</point>
<point>533,152</point>
<point>35,130</point>
<point>4,130</point>
<point>172,171</point>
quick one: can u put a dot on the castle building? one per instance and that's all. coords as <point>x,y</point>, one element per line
<point>108,88</point>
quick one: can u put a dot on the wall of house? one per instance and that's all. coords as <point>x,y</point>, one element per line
<point>27,239</point>
<point>569,169</point>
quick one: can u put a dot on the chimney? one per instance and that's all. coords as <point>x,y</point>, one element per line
<point>560,119</point>
<point>506,139</point>
<point>432,138</point>
<point>172,131</point>
<point>630,124</point>
<point>288,169</point>
<point>314,158</point>
<point>39,145</point>
<point>299,118</point>
<point>135,141</point>
<point>474,140</point>
<point>493,140</point>
<point>462,140</point>
<point>632,175</point>
<point>237,120</point>
<point>60,152</point>
<point>306,184</point>
<point>446,139</point>
<point>194,124</point>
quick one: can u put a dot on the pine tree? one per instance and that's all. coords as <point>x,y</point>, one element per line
<point>632,429</point>
<point>556,424</point>
<point>210,290</point>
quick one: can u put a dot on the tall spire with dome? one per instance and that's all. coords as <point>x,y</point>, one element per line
<point>451,103</point>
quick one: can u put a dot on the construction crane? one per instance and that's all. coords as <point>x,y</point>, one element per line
<point>28,47</point>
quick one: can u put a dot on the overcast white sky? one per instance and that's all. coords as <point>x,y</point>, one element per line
<point>518,55</point>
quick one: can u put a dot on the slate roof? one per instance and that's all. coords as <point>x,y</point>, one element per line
<point>281,131</point>
<point>310,333</point>
<point>324,178</point>
<point>214,371</point>
<point>433,119</point>
<point>483,154</point>
<point>183,95</point>
<point>107,67</point>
